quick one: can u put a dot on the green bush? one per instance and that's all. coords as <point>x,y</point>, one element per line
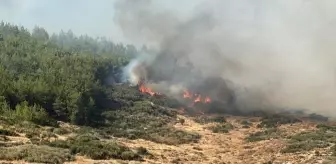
<point>246,123</point>
<point>37,154</point>
<point>142,151</point>
<point>221,128</point>
<point>304,146</point>
<point>142,120</point>
<point>263,135</point>
<point>7,132</point>
<point>61,131</point>
<point>181,121</point>
<point>333,151</point>
<point>207,119</point>
<point>92,147</point>
<point>310,140</point>
<point>33,133</point>
<point>36,114</point>
<point>272,121</point>
<point>326,127</point>
<point>317,117</point>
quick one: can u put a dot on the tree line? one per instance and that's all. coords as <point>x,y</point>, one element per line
<point>61,76</point>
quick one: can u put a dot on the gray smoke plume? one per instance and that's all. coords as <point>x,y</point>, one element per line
<point>270,54</point>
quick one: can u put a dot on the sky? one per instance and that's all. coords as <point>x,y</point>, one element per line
<point>92,17</point>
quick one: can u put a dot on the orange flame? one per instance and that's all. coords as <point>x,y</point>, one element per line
<point>195,97</point>
<point>144,89</point>
<point>187,94</point>
<point>207,100</point>
<point>198,99</point>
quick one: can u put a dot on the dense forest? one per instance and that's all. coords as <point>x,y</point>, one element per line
<point>62,74</point>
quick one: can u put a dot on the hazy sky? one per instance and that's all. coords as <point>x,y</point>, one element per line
<point>93,17</point>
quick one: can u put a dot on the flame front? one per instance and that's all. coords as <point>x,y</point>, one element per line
<point>196,97</point>
<point>207,100</point>
<point>144,89</point>
<point>187,94</point>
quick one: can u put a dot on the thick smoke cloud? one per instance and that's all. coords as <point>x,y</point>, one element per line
<point>271,54</point>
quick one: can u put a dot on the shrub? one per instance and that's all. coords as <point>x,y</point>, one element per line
<point>129,155</point>
<point>7,132</point>
<point>61,131</point>
<point>309,140</point>
<point>221,128</point>
<point>206,119</point>
<point>272,121</point>
<point>181,121</point>
<point>60,144</point>
<point>263,135</point>
<point>146,121</point>
<point>26,127</point>
<point>246,123</point>
<point>92,147</point>
<point>33,133</point>
<point>33,153</point>
<point>36,114</point>
<point>317,117</point>
<point>326,127</point>
<point>245,126</point>
<point>333,150</point>
<point>171,136</point>
<point>304,146</point>
<point>142,151</point>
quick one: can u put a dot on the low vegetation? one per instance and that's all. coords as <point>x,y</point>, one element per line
<point>94,148</point>
<point>36,154</point>
<point>246,124</point>
<point>221,128</point>
<point>147,121</point>
<point>263,135</point>
<point>209,119</point>
<point>7,132</point>
<point>272,121</point>
<point>324,137</point>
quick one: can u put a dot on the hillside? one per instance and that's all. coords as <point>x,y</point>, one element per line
<point>301,142</point>
<point>63,100</point>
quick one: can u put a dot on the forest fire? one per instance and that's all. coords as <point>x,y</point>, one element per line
<point>187,94</point>
<point>144,89</point>
<point>198,99</point>
<point>207,100</point>
<point>195,97</point>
